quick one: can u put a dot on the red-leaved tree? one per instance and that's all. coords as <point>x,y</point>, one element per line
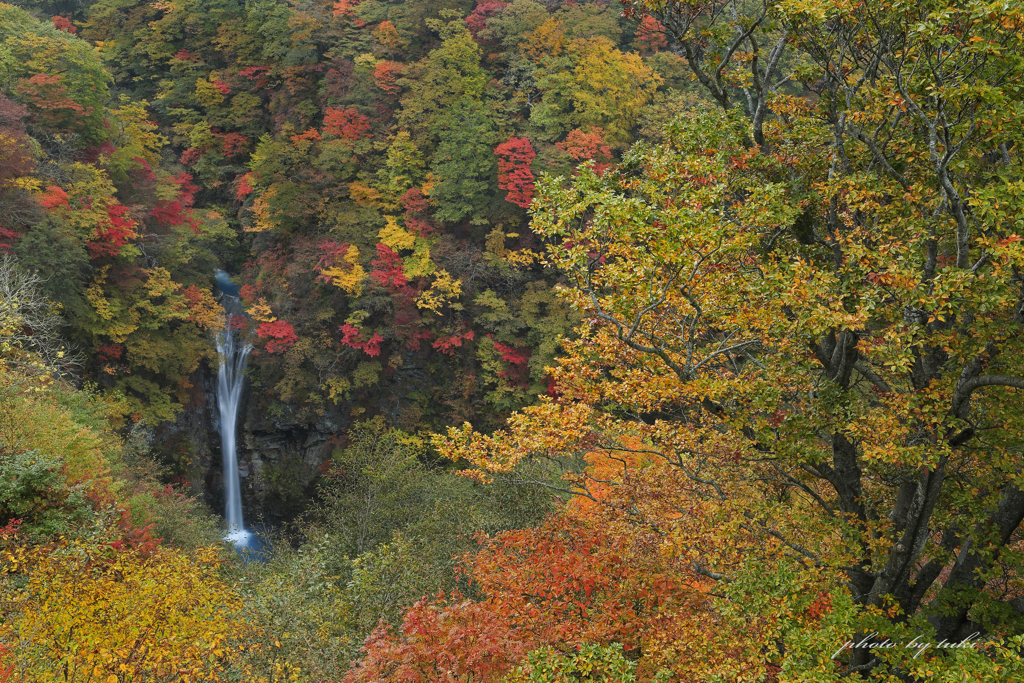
<point>443,641</point>
<point>113,233</point>
<point>352,337</point>
<point>514,175</point>
<point>388,270</point>
<point>347,124</point>
<point>583,146</point>
<point>64,24</point>
<point>650,35</point>
<point>177,211</point>
<point>50,103</point>
<point>447,345</point>
<point>280,333</point>
<point>385,76</point>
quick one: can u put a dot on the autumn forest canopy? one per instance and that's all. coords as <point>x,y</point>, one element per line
<point>640,341</point>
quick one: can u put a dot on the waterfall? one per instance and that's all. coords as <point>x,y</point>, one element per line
<point>230,379</point>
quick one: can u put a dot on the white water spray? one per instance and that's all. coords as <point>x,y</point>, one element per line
<point>230,379</point>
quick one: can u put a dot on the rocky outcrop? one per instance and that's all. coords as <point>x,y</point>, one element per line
<point>279,459</point>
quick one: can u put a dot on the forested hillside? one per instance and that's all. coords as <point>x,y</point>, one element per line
<point>655,341</point>
<point>362,169</point>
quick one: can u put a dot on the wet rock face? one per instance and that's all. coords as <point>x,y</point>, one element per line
<point>279,459</point>
<point>190,445</point>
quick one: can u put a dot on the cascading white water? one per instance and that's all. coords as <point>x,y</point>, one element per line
<point>230,378</point>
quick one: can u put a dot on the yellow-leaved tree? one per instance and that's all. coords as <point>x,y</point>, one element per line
<point>90,612</point>
<point>812,312</point>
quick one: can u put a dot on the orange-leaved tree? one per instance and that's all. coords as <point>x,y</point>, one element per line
<point>592,575</point>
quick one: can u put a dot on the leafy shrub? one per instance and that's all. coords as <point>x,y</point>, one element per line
<point>33,490</point>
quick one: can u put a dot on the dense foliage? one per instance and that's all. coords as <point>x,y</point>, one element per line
<point>717,304</point>
<point>810,306</point>
<point>375,161</point>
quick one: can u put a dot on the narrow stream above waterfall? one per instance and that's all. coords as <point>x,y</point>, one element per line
<point>233,354</point>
